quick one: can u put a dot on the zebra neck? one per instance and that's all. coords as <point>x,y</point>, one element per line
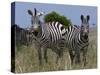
<point>39,34</point>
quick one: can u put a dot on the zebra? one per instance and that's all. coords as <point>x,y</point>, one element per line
<point>49,35</point>
<point>77,40</point>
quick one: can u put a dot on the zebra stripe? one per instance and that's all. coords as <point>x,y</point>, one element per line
<point>51,37</point>
<point>77,39</point>
<point>52,33</point>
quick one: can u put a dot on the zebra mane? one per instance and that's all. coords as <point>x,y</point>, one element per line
<point>77,26</point>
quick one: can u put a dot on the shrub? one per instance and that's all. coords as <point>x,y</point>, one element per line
<point>53,16</point>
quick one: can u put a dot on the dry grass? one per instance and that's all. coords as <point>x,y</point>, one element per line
<point>26,58</point>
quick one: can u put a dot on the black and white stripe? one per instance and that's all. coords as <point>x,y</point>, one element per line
<point>49,35</point>
<point>77,39</point>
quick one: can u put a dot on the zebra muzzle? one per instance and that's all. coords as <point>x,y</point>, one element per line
<point>86,36</point>
<point>35,33</point>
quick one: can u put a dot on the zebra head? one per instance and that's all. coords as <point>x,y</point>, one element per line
<point>35,21</point>
<point>85,26</point>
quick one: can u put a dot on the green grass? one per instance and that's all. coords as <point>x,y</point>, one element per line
<point>26,58</point>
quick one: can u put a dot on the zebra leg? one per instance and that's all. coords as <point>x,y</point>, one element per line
<point>60,48</point>
<point>45,55</point>
<point>77,57</point>
<point>40,56</point>
<point>57,58</point>
<point>71,56</point>
<point>84,56</point>
<point>59,55</point>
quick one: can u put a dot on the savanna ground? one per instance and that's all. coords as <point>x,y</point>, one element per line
<point>26,58</point>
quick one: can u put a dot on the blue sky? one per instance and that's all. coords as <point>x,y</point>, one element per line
<point>72,12</point>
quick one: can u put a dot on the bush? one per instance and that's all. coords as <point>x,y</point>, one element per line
<point>53,16</point>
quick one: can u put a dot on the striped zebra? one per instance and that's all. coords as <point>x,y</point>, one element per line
<point>49,35</point>
<point>77,39</point>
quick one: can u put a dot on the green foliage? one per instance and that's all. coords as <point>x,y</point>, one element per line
<point>53,16</point>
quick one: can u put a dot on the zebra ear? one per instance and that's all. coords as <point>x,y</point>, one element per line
<point>82,18</point>
<point>35,12</point>
<point>30,12</point>
<point>88,17</point>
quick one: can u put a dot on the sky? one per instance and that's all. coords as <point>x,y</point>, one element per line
<point>72,12</point>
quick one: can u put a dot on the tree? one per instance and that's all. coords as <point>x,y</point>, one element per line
<point>53,16</point>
